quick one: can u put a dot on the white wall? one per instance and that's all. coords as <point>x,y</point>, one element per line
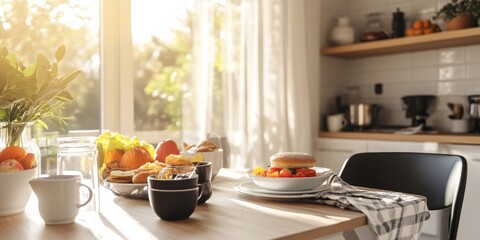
<point>450,73</point>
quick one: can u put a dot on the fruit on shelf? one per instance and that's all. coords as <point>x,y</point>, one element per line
<point>422,27</point>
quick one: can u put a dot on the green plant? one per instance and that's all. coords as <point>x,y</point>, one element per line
<point>459,8</point>
<point>34,93</point>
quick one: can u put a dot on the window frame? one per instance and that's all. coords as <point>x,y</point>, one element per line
<point>117,101</point>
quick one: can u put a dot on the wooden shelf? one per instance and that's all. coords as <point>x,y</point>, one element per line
<point>473,139</point>
<point>456,38</point>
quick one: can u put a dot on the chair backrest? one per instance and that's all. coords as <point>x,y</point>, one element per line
<point>439,177</point>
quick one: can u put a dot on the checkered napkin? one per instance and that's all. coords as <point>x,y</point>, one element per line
<point>391,215</point>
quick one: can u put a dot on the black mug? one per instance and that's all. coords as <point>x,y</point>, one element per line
<point>204,171</point>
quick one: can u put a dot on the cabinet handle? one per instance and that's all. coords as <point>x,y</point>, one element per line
<point>476,159</point>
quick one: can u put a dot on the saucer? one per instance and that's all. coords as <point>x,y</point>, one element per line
<point>252,187</point>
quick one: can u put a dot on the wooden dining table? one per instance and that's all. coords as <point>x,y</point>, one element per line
<point>228,214</point>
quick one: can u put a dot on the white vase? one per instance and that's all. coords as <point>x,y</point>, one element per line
<point>342,33</point>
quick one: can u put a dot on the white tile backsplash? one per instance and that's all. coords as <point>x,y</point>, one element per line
<point>473,70</point>
<point>450,73</point>
<point>425,74</point>
<point>452,55</point>
<point>451,88</point>
<point>473,53</point>
<point>425,58</point>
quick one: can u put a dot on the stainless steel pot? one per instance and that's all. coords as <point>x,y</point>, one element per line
<point>362,114</point>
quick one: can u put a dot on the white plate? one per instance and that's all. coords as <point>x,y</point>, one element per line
<point>274,196</point>
<point>291,184</point>
<point>252,187</point>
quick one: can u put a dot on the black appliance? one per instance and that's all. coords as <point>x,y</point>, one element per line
<point>418,108</point>
<point>474,111</point>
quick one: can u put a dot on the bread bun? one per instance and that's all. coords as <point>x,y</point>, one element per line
<point>292,160</point>
<point>178,160</point>
<point>141,177</point>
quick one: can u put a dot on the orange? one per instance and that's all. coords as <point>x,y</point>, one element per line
<point>12,152</point>
<point>113,155</point>
<point>417,32</point>
<point>427,30</point>
<point>417,24</point>
<point>426,23</point>
<point>135,157</point>
<point>28,162</point>
<point>410,32</point>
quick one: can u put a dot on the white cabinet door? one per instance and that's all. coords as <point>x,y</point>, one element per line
<point>401,146</point>
<point>331,153</point>
<point>470,217</point>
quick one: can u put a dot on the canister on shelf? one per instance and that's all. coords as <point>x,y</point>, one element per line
<point>398,24</point>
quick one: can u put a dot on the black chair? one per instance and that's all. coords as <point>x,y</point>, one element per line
<point>439,177</point>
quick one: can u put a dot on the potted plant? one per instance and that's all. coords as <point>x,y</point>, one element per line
<point>460,14</point>
<point>29,94</point>
<point>34,93</point>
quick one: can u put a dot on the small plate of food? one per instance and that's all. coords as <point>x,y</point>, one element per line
<point>290,171</point>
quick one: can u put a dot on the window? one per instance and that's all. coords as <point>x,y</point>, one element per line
<point>32,26</point>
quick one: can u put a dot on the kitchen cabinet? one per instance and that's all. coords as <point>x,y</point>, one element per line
<point>470,217</point>
<point>331,152</point>
<point>456,38</point>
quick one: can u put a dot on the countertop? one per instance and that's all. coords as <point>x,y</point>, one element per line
<point>473,139</point>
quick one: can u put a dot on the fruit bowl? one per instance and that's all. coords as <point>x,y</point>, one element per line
<point>15,190</point>
<point>215,157</point>
<point>289,183</point>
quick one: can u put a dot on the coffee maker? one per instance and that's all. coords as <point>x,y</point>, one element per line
<point>474,110</point>
<point>418,108</point>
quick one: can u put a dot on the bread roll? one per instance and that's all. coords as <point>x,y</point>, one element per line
<point>292,160</point>
<point>178,160</point>
<point>141,177</point>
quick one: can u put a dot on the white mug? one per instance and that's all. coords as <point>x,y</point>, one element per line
<point>58,198</point>
<point>459,125</point>
<point>336,122</point>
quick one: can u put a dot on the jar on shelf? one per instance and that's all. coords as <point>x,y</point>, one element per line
<point>342,33</point>
<point>374,29</point>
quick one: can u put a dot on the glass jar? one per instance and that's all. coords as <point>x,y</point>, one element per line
<point>78,156</point>
<point>374,29</point>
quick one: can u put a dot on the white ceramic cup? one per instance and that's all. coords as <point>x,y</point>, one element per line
<point>459,126</point>
<point>58,198</point>
<point>336,122</point>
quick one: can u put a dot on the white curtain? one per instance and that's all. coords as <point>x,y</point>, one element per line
<point>266,106</point>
